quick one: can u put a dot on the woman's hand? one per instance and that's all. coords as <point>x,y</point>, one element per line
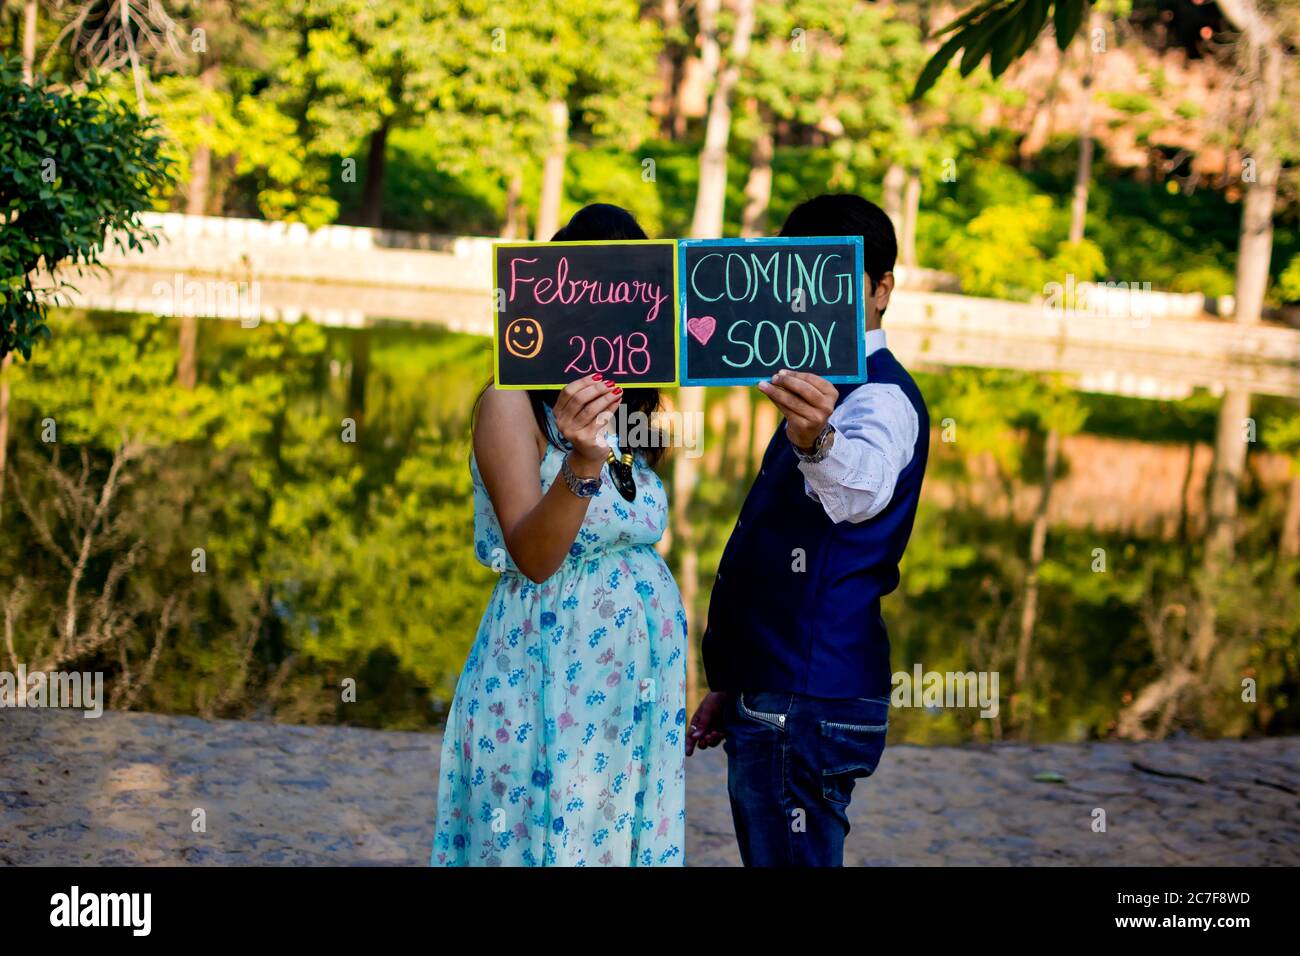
<point>539,528</point>
<point>583,409</point>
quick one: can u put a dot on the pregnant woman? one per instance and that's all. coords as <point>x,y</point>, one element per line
<point>564,744</point>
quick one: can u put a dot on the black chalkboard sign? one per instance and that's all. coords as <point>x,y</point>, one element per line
<point>567,309</point>
<point>750,307</point>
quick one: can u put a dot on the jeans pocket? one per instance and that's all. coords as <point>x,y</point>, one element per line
<point>769,709</point>
<point>846,753</point>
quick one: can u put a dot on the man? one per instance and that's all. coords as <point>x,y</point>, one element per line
<point>795,649</point>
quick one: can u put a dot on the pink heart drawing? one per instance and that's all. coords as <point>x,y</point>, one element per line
<point>702,328</point>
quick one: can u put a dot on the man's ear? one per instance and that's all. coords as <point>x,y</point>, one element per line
<point>884,289</point>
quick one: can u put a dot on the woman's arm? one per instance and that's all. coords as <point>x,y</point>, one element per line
<point>539,529</point>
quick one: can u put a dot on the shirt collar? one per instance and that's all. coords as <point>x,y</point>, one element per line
<point>875,340</point>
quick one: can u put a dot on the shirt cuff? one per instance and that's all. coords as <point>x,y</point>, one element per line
<point>842,469</point>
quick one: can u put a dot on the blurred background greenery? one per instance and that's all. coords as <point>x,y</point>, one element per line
<point>324,560</point>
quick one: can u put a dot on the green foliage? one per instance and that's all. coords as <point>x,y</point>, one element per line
<point>507,62</point>
<point>76,173</point>
<point>329,561</point>
<point>1002,30</point>
<point>425,192</point>
<point>325,560</point>
<point>1008,252</point>
<point>1288,283</point>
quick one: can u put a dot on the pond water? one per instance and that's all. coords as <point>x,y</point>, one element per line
<point>291,539</point>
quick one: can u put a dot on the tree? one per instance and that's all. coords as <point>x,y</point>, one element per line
<point>1003,30</point>
<point>710,205</point>
<point>107,35</point>
<point>711,194</point>
<point>84,170</point>
<point>831,67</point>
<point>360,69</point>
<point>522,82</point>
<point>30,14</point>
<point>609,93</point>
<point>1058,413</point>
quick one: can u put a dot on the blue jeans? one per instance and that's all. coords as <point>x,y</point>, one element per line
<point>791,765</point>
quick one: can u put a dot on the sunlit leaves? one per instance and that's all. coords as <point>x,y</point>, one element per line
<point>77,170</point>
<point>1001,30</point>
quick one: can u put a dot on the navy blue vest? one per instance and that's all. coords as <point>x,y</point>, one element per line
<point>809,622</point>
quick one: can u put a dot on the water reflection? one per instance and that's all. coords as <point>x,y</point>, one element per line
<point>1120,564</point>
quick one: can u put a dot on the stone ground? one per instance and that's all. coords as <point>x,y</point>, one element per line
<point>121,790</point>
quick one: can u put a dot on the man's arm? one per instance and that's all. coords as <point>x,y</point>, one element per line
<point>874,437</point>
<point>876,431</point>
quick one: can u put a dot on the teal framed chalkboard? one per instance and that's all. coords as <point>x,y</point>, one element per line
<point>750,307</point>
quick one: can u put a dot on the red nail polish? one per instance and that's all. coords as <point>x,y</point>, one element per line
<point>609,384</point>
<point>596,377</point>
<point>618,390</point>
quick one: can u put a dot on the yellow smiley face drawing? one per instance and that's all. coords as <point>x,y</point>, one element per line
<point>523,338</point>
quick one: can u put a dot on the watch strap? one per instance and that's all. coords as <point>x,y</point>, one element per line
<point>582,487</point>
<point>820,449</point>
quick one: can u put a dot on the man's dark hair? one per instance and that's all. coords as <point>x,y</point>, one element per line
<point>847,214</point>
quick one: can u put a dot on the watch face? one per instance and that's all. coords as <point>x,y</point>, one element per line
<point>582,487</point>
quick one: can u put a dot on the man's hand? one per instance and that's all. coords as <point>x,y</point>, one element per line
<point>706,726</point>
<point>806,400</point>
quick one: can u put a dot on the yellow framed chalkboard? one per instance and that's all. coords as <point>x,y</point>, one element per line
<point>563,310</point>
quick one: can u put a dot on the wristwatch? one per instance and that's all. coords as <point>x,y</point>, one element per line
<point>820,446</point>
<point>582,487</point>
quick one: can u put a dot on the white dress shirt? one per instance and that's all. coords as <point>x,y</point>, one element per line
<point>876,432</point>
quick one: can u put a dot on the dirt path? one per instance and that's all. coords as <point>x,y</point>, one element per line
<point>123,790</point>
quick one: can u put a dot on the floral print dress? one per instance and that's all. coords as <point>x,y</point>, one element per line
<point>564,743</point>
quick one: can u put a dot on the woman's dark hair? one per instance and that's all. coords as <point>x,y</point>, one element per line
<point>598,222</point>
<point>847,214</point>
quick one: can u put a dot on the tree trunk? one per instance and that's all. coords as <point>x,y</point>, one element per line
<point>1261,58</point>
<point>1290,542</point>
<point>911,209</point>
<point>1263,52</point>
<point>4,423</point>
<point>548,209</point>
<point>758,188</point>
<point>1083,173</point>
<point>670,72</point>
<point>1185,671</point>
<point>29,41</point>
<point>196,202</point>
<point>711,196</point>
<point>360,348</point>
<point>706,223</point>
<point>710,48</point>
<point>895,177</point>
<point>514,226</point>
<point>1037,549</point>
<point>740,411</point>
<point>372,193</point>
<point>187,362</point>
<point>1221,517</point>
